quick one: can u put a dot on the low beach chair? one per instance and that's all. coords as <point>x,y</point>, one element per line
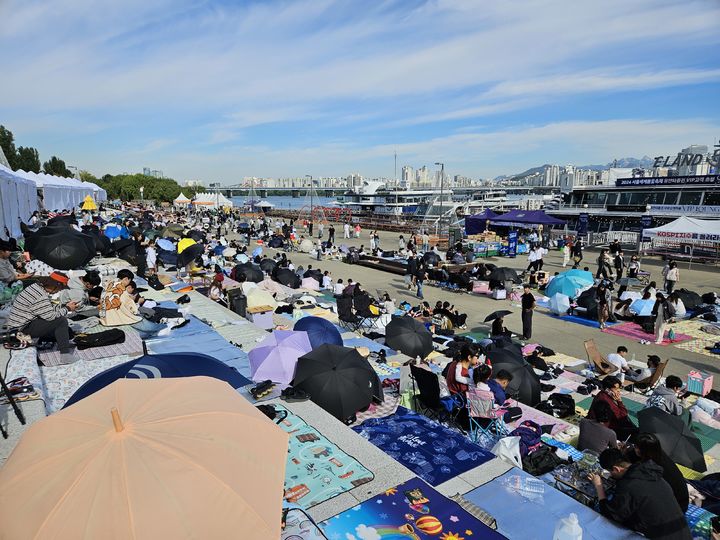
<point>597,360</point>
<point>650,382</point>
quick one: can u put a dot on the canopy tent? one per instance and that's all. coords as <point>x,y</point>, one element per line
<point>18,201</point>
<point>181,200</point>
<point>685,230</point>
<point>477,223</point>
<point>525,218</point>
<point>59,193</point>
<point>99,194</point>
<point>212,200</point>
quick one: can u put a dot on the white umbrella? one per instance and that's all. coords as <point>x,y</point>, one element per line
<point>559,304</point>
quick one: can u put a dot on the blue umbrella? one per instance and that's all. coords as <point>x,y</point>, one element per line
<point>319,330</point>
<point>158,366</point>
<point>642,308</point>
<point>581,275</point>
<point>165,244</point>
<point>218,250</point>
<point>257,251</point>
<point>112,231</point>
<point>563,284</point>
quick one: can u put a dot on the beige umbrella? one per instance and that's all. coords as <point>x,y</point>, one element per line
<point>152,458</point>
<point>259,297</point>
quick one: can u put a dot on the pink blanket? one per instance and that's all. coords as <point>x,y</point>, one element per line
<point>635,332</point>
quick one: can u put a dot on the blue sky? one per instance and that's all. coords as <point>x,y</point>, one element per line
<point>222,90</point>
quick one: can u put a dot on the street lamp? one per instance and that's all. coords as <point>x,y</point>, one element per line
<point>442,185</point>
<point>311,195</point>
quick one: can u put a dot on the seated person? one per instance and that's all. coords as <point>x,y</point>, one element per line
<point>8,271</point>
<point>458,371</point>
<point>422,310</point>
<point>339,287</point>
<point>637,375</point>
<point>388,304</point>
<point>618,361</point>
<point>595,434</point>
<point>83,290</point>
<point>665,396</point>
<point>498,384</point>
<point>647,446</point>
<point>216,292</point>
<point>642,501</point>
<point>611,395</point>
<point>677,305</point>
<point>621,310</point>
<point>498,328</point>
<point>34,314</point>
<point>118,306</point>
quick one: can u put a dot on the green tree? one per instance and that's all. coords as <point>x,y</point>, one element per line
<point>7,143</point>
<point>56,167</point>
<point>28,159</point>
<point>87,176</point>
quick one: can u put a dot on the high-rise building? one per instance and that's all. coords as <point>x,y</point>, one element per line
<point>408,175</point>
<point>552,175</point>
<point>422,179</point>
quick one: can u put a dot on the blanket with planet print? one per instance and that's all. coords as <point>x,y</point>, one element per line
<point>411,511</point>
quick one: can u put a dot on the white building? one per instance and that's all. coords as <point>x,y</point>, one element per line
<point>408,176</point>
<point>422,179</point>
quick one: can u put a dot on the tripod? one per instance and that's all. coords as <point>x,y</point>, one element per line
<point>13,403</point>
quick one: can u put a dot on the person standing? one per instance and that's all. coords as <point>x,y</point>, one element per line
<point>331,234</point>
<point>603,270</point>
<point>602,295</point>
<point>619,264</point>
<point>528,306</point>
<point>419,280</point>
<point>633,267</point>
<point>346,230</point>
<point>566,255</point>
<point>532,260</point>
<point>577,252</point>
<point>671,277</point>
<point>321,228</point>
<point>662,313</point>
<point>425,238</point>
<point>412,266</point>
<point>401,243</point>
<point>310,228</point>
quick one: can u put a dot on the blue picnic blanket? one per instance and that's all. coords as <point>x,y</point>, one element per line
<point>518,494</point>
<point>411,510</point>
<point>317,470</point>
<point>429,449</point>
<point>374,346</point>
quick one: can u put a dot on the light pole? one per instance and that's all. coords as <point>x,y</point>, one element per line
<point>311,196</point>
<point>442,185</point>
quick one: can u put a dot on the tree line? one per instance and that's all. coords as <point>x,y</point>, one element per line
<point>121,186</point>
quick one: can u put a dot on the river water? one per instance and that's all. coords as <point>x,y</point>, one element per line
<point>286,202</point>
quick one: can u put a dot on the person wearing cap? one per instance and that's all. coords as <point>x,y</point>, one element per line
<point>216,292</point>
<point>34,313</point>
<point>636,375</point>
<point>8,273</point>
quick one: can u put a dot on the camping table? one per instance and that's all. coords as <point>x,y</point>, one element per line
<point>574,480</point>
<point>261,316</point>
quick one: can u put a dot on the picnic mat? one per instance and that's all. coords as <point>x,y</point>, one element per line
<point>429,449</point>
<point>583,321</point>
<point>516,493</point>
<point>412,510</point>
<point>317,470</point>
<point>699,521</point>
<point>211,343</point>
<point>386,408</point>
<point>374,346</point>
<point>708,436</point>
<point>299,526</point>
<point>540,418</point>
<point>634,331</point>
<point>132,346</point>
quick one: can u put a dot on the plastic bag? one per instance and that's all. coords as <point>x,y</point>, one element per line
<point>508,449</point>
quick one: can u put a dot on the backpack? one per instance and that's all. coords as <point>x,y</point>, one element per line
<point>113,336</point>
<point>561,405</point>
<point>541,461</point>
<point>529,433</point>
<point>154,282</point>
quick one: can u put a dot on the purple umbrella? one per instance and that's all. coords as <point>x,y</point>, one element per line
<point>276,356</point>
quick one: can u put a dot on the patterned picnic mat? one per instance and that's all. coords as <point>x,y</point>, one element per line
<point>132,346</point>
<point>634,331</point>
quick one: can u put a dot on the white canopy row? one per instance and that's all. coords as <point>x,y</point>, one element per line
<point>17,203</point>
<point>685,230</point>
<point>212,200</point>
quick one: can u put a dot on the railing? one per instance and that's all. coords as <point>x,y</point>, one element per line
<point>624,237</point>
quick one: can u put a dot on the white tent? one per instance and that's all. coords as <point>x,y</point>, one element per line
<point>685,230</point>
<point>59,193</point>
<point>181,200</point>
<point>18,201</point>
<point>212,200</point>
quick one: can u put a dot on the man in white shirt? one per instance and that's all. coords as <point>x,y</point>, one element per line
<point>346,230</point>
<point>618,360</point>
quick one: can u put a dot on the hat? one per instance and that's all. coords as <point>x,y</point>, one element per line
<point>6,246</point>
<point>60,278</point>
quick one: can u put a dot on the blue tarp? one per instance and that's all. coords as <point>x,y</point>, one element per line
<point>524,218</point>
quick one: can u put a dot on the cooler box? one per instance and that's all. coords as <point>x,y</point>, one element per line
<point>499,294</point>
<point>699,382</point>
<point>261,316</point>
<point>481,287</point>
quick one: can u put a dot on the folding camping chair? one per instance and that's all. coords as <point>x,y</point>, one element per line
<point>597,360</point>
<point>346,317</point>
<point>427,400</point>
<point>482,417</point>
<point>649,383</point>
<point>362,304</point>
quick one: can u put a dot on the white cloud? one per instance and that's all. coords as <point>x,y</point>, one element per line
<point>366,533</point>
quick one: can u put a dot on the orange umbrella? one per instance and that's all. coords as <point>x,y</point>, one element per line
<point>155,458</point>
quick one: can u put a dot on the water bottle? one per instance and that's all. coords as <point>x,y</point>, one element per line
<point>568,529</point>
<point>633,357</point>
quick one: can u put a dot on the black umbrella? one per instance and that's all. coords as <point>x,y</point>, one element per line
<point>408,336</point>
<point>315,274</point>
<point>525,385</point>
<point>287,277</point>
<point>252,272</point>
<point>588,300</point>
<point>189,254</point>
<point>268,265</point>
<point>431,258</point>
<point>64,219</point>
<point>64,251</point>
<point>504,274</point>
<point>276,242</point>
<point>198,236</point>
<point>172,231</point>
<point>337,379</point>
<point>677,441</point>
<point>498,315</point>
<point>690,299</point>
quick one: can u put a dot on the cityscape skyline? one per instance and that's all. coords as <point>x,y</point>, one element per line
<point>222,90</point>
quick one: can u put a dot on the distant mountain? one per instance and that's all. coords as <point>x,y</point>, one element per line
<point>631,163</point>
<point>625,163</point>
